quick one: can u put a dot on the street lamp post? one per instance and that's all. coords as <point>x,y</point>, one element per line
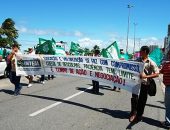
<point>129,7</point>
<point>135,24</point>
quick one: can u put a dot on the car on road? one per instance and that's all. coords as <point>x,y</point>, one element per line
<point>3,68</point>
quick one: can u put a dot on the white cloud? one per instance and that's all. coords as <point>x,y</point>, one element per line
<point>122,42</point>
<point>78,34</point>
<point>51,32</point>
<point>90,43</point>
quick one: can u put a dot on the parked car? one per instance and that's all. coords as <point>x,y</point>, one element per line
<point>3,69</point>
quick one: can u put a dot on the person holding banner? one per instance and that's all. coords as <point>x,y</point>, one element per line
<point>13,77</point>
<point>138,102</point>
<point>30,77</point>
<point>95,88</point>
<point>166,80</point>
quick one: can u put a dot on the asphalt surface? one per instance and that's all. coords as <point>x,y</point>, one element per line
<point>61,104</point>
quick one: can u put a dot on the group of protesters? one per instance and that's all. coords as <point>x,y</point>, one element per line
<point>138,102</point>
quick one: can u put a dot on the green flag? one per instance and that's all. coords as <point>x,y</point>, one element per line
<point>156,55</point>
<point>76,49</point>
<point>46,46</point>
<point>112,51</point>
<point>125,56</point>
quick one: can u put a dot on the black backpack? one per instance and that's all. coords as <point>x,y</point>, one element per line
<point>8,69</point>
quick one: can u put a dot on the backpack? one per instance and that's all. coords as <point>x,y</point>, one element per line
<point>8,68</point>
<point>152,85</point>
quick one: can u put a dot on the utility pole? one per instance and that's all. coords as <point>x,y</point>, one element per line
<point>135,24</point>
<point>129,7</point>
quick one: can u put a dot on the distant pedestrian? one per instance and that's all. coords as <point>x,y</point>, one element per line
<point>30,77</point>
<point>13,77</point>
<point>114,88</point>
<point>166,80</point>
<point>95,84</point>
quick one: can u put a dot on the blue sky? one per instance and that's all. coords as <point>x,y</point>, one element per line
<point>88,22</point>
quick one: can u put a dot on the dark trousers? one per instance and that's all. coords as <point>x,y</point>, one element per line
<point>141,99</point>
<point>16,81</point>
<point>50,77</point>
<point>95,86</point>
<point>42,78</point>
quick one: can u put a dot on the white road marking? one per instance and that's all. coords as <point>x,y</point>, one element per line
<point>57,103</point>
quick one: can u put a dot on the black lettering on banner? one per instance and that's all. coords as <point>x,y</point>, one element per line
<point>87,60</point>
<point>29,63</point>
<point>94,61</point>
<point>50,63</point>
<point>93,67</point>
<point>103,62</point>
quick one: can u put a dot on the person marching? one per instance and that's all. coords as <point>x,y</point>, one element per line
<point>30,77</point>
<point>166,80</point>
<point>95,88</point>
<point>11,62</point>
<point>138,102</point>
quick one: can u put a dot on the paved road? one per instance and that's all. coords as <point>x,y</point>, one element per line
<point>61,104</point>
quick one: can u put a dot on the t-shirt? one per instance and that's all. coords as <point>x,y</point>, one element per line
<point>150,67</point>
<point>166,72</point>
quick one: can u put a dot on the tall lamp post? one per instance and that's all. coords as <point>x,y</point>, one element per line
<point>135,24</point>
<point>129,7</point>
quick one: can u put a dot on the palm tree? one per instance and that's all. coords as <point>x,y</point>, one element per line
<point>8,33</point>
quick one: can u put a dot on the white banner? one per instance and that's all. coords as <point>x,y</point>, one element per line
<point>123,74</point>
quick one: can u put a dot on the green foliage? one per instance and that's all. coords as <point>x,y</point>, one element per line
<point>8,33</point>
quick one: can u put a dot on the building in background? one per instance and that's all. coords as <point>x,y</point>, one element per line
<point>152,47</point>
<point>167,42</point>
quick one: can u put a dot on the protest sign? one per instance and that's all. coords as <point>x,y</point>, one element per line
<point>123,74</point>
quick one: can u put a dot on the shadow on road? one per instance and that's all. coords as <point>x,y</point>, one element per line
<point>10,92</point>
<point>114,113</point>
<point>105,87</point>
<point>148,121</point>
<point>151,105</point>
<point>162,102</point>
<point>88,91</point>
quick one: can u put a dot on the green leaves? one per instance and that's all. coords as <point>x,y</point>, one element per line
<point>8,33</point>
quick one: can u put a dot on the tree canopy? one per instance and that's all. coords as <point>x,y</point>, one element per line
<point>8,33</point>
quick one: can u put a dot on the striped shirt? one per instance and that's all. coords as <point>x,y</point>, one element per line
<point>166,73</point>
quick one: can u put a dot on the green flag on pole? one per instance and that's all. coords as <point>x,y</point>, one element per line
<point>112,51</point>
<point>75,49</point>
<point>156,55</point>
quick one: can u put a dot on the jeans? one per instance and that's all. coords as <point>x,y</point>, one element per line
<point>16,81</point>
<point>167,103</point>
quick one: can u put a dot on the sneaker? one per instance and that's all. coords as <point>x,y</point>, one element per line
<point>165,124</point>
<point>17,93</point>
<point>29,85</point>
<point>43,82</point>
<point>114,89</point>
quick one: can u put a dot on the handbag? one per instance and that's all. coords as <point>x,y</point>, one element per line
<point>152,87</point>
